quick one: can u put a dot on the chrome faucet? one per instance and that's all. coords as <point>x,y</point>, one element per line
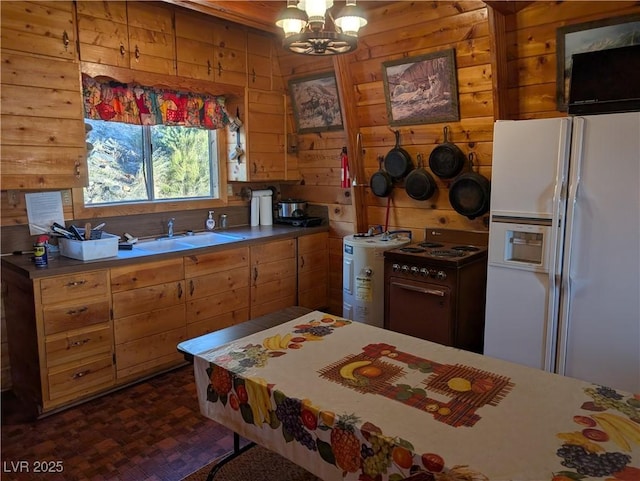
<point>170,226</point>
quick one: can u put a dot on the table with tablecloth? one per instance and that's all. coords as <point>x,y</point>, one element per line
<point>349,401</point>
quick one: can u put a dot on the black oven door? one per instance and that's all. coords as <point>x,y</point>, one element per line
<point>420,309</point>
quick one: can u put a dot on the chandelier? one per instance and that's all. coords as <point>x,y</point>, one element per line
<point>303,23</point>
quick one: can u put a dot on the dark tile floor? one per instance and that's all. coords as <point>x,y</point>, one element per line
<point>149,431</point>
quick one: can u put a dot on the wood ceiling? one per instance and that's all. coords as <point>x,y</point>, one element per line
<point>262,14</point>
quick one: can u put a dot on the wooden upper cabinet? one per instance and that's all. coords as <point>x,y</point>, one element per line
<point>151,38</point>
<point>230,50</point>
<point>259,61</point>
<point>194,46</point>
<point>136,35</point>
<point>42,123</point>
<point>265,121</point>
<point>102,32</point>
<point>45,28</point>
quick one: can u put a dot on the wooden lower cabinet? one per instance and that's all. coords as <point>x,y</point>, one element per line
<point>148,316</point>
<point>60,337</point>
<point>217,290</point>
<point>273,277</point>
<point>74,336</point>
<point>313,271</point>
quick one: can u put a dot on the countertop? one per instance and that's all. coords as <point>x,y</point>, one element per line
<point>23,264</point>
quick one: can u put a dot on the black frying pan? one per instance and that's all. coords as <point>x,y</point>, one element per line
<point>381,182</point>
<point>398,162</point>
<point>420,184</point>
<point>469,194</point>
<point>447,160</point>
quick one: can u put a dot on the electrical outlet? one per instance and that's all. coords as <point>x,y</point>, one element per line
<point>66,197</point>
<point>12,197</point>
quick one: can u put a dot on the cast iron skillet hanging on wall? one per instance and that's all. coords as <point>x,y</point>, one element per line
<point>381,182</point>
<point>447,160</point>
<point>398,162</point>
<point>469,193</point>
<point>420,184</point>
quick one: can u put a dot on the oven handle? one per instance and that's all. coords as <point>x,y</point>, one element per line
<point>422,290</point>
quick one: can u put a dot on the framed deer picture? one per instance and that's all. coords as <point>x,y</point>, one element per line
<point>421,90</point>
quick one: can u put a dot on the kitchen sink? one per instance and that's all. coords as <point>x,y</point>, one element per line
<point>182,242</point>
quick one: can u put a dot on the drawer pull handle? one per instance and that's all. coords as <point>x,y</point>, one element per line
<point>192,287</point>
<point>209,67</point>
<point>301,262</point>
<point>76,283</point>
<point>255,275</point>
<point>137,54</point>
<point>219,69</point>
<point>74,312</point>
<point>65,40</point>
<point>179,290</point>
<point>122,50</point>
<point>81,342</point>
<point>80,374</point>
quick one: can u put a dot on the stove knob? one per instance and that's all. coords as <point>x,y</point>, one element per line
<point>395,267</point>
<point>405,269</point>
<point>424,272</point>
<point>442,275</point>
<point>433,273</point>
<point>414,271</point>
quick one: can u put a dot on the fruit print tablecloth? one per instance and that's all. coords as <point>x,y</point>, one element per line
<point>349,401</point>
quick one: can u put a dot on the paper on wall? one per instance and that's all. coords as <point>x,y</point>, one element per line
<point>43,209</point>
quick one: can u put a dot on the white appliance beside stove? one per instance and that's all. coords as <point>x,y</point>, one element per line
<point>563,281</point>
<point>363,274</point>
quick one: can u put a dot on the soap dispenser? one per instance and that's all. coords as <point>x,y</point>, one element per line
<point>211,223</point>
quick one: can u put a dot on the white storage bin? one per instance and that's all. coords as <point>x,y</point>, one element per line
<point>88,250</point>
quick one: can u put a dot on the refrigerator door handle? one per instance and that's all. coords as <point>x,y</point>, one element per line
<point>554,246</point>
<point>569,242</point>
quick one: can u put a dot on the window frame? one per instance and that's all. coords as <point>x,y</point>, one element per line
<point>80,211</point>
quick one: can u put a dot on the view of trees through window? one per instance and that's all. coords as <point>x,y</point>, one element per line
<point>134,163</point>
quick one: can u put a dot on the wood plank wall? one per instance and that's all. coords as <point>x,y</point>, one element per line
<point>408,29</point>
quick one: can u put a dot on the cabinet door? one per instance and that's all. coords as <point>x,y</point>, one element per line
<point>217,290</point>
<point>44,28</point>
<point>266,140</point>
<point>230,51</point>
<point>103,35</point>
<point>313,270</point>
<point>259,61</point>
<point>194,46</point>
<point>42,121</point>
<point>273,276</point>
<point>151,38</point>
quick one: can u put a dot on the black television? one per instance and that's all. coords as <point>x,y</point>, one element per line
<point>605,81</point>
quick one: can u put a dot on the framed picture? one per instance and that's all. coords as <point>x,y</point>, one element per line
<point>316,106</point>
<point>590,37</point>
<point>421,90</point>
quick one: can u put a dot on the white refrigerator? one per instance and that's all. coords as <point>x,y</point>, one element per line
<point>563,278</point>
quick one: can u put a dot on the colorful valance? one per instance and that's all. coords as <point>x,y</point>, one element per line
<point>136,104</point>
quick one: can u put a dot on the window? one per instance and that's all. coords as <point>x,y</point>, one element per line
<point>136,163</point>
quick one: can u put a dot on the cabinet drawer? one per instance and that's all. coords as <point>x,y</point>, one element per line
<point>148,323</point>
<point>83,284</point>
<point>63,318</point>
<point>146,299</point>
<point>89,376</point>
<point>78,344</point>
<point>273,251</point>
<point>143,275</point>
<point>197,265</point>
